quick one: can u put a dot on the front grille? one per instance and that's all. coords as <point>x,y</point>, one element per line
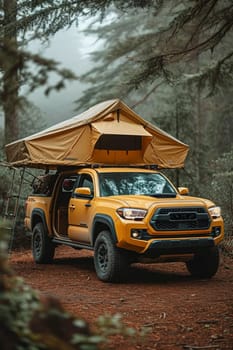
<point>180,219</point>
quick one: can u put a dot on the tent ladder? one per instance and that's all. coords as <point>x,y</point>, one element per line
<point>12,203</point>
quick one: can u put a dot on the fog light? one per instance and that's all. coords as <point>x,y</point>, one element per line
<point>216,231</point>
<point>138,233</point>
<point>135,234</point>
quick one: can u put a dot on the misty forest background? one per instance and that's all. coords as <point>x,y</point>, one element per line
<point>171,61</point>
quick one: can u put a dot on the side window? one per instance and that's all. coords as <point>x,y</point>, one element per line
<point>44,184</point>
<point>86,181</point>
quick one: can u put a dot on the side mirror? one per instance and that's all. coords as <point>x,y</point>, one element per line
<point>184,191</point>
<point>83,192</point>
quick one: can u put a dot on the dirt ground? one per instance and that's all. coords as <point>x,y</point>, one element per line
<point>178,311</point>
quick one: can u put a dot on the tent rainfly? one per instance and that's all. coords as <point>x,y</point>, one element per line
<point>109,133</point>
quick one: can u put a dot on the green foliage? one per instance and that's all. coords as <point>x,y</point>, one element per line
<point>142,47</point>
<point>30,118</point>
<point>32,78</point>
<point>221,188</point>
<point>17,301</point>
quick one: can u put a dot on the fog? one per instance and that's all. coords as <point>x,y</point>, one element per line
<point>72,49</point>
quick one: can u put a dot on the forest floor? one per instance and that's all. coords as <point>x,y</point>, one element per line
<point>178,311</point>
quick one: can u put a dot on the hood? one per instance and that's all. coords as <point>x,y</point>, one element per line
<point>147,202</point>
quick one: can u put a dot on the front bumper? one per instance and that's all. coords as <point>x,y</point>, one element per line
<point>177,246</point>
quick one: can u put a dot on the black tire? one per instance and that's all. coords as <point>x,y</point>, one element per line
<point>42,247</point>
<point>204,264</point>
<point>111,263</point>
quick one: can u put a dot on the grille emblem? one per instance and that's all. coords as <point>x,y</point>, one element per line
<point>183,216</point>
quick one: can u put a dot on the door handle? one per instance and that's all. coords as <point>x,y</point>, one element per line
<point>72,206</point>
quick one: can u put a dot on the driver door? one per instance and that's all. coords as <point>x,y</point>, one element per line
<point>79,212</point>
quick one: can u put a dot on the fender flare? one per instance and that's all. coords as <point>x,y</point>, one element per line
<point>104,220</point>
<point>38,213</point>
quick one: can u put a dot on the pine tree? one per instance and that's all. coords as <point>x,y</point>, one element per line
<point>10,74</point>
<point>152,44</point>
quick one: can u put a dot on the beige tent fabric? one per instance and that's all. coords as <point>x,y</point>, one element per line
<point>120,128</point>
<point>74,141</point>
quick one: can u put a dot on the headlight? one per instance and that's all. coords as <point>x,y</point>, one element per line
<point>132,213</point>
<point>215,212</point>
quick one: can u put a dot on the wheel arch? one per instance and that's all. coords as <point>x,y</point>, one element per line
<point>37,216</point>
<point>103,222</point>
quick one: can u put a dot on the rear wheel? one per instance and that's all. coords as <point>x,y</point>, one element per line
<point>42,247</point>
<point>111,263</point>
<point>204,264</point>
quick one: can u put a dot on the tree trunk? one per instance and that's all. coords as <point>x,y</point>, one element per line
<point>10,71</point>
<point>198,143</point>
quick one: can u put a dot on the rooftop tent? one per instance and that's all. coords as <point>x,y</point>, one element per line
<point>109,133</point>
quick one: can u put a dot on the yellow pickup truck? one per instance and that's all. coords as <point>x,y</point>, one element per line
<point>125,215</point>
<point>102,191</point>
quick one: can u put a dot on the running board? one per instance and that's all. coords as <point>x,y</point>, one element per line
<point>71,243</point>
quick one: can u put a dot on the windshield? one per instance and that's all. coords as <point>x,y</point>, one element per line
<point>149,184</point>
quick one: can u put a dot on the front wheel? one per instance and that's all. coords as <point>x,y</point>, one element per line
<point>204,264</point>
<point>42,247</point>
<point>111,263</point>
